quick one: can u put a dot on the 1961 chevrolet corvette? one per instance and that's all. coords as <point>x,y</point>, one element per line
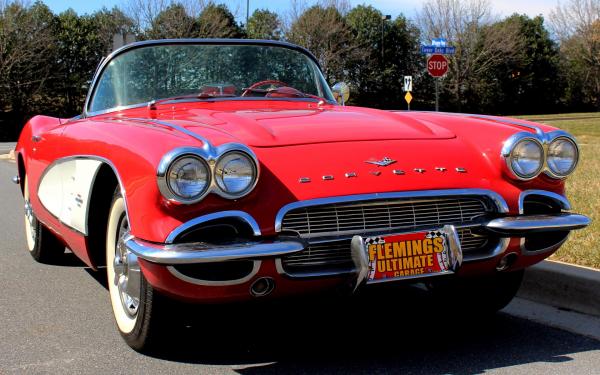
<point>214,171</point>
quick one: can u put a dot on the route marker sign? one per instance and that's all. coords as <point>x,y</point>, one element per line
<point>437,65</point>
<point>408,83</point>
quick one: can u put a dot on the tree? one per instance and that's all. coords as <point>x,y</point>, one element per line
<point>577,24</point>
<point>324,32</point>
<point>173,22</point>
<point>529,82</point>
<point>377,81</point>
<point>26,52</point>
<point>479,48</point>
<point>216,21</point>
<point>264,24</point>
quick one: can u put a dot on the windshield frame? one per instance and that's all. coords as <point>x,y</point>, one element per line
<point>149,43</point>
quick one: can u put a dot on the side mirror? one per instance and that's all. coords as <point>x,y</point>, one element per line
<point>341,92</point>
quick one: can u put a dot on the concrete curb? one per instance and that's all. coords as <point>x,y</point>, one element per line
<point>564,286</point>
<point>10,156</point>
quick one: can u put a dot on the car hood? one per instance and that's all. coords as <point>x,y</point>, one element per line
<point>286,127</point>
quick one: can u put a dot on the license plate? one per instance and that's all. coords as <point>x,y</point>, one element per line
<point>409,255</point>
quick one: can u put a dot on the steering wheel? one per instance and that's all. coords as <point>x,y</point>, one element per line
<point>263,83</point>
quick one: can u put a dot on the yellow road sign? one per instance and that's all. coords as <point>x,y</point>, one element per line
<point>408,97</point>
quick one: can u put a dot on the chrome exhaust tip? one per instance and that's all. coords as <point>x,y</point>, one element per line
<point>262,287</point>
<point>16,179</point>
<point>506,262</point>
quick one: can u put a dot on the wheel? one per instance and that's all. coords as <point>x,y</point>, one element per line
<point>135,304</point>
<point>43,246</point>
<point>479,295</point>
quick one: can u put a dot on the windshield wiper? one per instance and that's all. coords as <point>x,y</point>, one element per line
<point>281,90</point>
<point>199,96</point>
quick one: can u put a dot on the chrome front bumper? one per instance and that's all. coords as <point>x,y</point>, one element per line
<point>200,252</point>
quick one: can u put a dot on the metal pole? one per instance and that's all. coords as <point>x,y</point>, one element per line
<point>382,23</point>
<point>437,94</point>
<point>247,12</point>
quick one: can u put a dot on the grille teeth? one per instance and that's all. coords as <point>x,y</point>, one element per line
<point>382,216</point>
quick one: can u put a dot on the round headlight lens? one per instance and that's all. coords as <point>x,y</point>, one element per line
<point>235,173</point>
<point>562,156</point>
<point>188,177</point>
<point>527,158</point>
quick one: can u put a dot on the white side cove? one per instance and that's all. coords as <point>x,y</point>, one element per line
<point>65,191</point>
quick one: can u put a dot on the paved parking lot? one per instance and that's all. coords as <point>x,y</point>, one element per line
<point>57,319</point>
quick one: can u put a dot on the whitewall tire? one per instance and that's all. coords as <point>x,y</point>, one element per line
<point>136,306</point>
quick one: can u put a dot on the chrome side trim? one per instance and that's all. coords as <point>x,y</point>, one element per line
<point>496,199</point>
<point>206,145</point>
<point>516,226</point>
<point>87,157</point>
<point>537,129</point>
<point>199,252</point>
<point>562,201</point>
<point>241,215</point>
<point>195,281</point>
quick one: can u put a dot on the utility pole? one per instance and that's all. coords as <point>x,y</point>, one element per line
<point>247,12</point>
<point>383,19</point>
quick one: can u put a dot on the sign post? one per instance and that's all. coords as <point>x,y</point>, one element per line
<point>408,86</point>
<point>437,66</point>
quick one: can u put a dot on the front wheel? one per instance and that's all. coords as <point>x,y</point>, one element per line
<point>478,295</point>
<point>43,246</point>
<point>135,304</point>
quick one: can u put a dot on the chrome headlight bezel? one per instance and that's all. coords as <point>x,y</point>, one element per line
<point>509,147</point>
<point>219,178</point>
<point>550,170</point>
<point>210,156</point>
<point>543,140</point>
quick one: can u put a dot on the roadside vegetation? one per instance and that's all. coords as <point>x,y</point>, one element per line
<point>583,188</point>
<point>503,65</point>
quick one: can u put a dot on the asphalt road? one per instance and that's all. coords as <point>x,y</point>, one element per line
<point>57,319</point>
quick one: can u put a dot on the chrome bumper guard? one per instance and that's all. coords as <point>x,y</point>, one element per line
<point>200,252</point>
<point>518,226</point>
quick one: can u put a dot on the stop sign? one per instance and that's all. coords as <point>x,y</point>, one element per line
<point>437,65</point>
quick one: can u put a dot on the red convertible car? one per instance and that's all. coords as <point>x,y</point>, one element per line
<point>215,171</point>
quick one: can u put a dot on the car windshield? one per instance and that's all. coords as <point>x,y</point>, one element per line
<point>206,71</point>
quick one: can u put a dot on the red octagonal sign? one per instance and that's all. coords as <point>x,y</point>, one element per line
<point>437,65</point>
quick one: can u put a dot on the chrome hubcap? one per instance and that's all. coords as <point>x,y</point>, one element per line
<point>127,272</point>
<point>30,220</point>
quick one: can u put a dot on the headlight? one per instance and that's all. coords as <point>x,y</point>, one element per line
<point>235,173</point>
<point>188,178</point>
<point>526,158</point>
<point>562,156</point>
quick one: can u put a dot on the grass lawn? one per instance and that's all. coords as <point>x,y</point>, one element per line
<point>583,187</point>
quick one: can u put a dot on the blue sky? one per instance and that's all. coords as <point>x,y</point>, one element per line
<point>393,7</point>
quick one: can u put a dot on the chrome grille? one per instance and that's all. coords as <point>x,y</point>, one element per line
<point>343,220</point>
<point>379,216</point>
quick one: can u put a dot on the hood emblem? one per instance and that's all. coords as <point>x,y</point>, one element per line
<point>382,163</point>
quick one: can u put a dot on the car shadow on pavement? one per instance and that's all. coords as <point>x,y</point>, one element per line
<point>390,329</point>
